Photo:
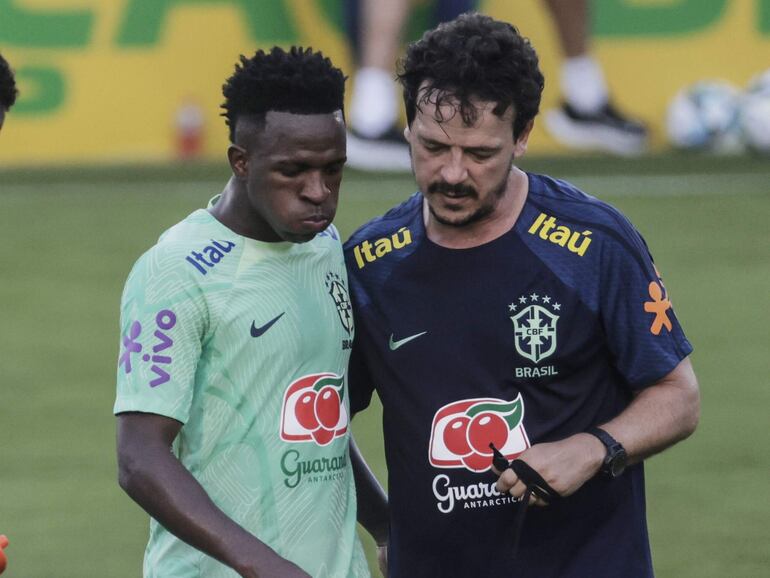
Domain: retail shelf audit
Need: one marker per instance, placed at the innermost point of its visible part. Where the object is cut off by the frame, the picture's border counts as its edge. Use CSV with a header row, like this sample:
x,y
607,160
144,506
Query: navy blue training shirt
x,y
532,337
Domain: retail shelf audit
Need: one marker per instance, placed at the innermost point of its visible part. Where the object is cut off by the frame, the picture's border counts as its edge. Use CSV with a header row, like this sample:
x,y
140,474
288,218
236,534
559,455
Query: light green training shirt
x,y
246,343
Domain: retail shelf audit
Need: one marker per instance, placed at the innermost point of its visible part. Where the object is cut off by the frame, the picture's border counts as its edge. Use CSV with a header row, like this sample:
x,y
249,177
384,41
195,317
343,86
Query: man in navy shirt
x,y
501,307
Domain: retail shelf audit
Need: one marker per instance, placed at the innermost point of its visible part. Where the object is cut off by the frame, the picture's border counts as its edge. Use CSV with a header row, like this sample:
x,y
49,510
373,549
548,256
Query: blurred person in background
x,y
8,91
499,307
232,404
586,118
8,94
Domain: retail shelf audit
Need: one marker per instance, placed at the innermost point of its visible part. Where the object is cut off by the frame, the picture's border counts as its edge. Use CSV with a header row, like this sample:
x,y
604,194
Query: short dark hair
x,y
8,92
473,56
299,81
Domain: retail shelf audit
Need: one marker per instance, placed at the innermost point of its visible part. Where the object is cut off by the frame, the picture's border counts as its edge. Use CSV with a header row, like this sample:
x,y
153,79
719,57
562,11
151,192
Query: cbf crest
x,y
534,327
339,295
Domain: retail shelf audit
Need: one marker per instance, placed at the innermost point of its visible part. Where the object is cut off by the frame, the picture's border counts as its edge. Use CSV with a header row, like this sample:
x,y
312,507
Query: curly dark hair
x,y
473,56
8,92
299,81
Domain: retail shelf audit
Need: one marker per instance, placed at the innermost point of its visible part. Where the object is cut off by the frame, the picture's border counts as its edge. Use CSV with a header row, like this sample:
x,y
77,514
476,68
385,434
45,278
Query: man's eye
x,y
289,171
433,147
333,169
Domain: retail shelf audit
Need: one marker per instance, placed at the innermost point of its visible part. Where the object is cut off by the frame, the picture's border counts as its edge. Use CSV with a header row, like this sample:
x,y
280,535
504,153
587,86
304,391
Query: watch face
x,y
618,463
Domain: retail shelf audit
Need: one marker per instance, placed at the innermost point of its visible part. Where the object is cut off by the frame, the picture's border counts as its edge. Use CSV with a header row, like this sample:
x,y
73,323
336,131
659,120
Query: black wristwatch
x,y
615,461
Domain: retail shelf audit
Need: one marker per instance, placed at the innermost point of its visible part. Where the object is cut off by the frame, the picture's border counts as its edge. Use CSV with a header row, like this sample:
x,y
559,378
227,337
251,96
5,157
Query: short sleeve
x,y
643,333
360,382
163,321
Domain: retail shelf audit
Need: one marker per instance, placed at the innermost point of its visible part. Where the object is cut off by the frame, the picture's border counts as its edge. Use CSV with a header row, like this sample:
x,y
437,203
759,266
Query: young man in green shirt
x,y
236,333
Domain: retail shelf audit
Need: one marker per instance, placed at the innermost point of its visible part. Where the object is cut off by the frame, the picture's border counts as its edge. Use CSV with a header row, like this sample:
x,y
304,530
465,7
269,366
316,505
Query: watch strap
x,y
608,441
615,459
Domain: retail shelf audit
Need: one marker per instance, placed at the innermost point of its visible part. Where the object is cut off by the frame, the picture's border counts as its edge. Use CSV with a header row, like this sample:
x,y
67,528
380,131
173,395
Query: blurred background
x,y
140,80
116,136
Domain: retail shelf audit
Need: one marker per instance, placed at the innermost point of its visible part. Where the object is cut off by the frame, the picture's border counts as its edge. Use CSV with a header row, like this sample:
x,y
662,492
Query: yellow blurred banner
x,y
131,80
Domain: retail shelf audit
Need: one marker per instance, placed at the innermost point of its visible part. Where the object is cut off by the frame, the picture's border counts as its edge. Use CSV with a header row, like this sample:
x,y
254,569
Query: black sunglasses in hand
x,y
534,483
529,476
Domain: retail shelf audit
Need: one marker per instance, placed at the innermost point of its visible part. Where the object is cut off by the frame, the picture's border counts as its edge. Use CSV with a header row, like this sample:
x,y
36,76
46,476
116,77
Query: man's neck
x,y
489,228
231,211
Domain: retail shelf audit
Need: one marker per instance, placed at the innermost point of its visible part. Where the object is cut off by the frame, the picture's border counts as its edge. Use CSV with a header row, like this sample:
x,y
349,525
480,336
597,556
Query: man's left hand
x,y
382,559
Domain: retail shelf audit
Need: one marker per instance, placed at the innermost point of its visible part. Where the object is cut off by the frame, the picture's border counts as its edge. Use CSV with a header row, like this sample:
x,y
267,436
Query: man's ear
x,y
408,134
520,146
239,161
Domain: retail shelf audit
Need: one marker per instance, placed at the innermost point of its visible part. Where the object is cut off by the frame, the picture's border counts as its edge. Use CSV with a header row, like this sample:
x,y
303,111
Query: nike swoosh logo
x,y
396,344
257,331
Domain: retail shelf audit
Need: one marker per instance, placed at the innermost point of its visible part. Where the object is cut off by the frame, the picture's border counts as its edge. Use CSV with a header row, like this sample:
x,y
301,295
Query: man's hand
x,y
273,567
565,465
158,482
659,416
382,559
372,505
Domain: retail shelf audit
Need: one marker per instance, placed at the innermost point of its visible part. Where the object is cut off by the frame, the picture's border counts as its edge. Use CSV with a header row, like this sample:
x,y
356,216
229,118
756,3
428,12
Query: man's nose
x,y
453,171
316,189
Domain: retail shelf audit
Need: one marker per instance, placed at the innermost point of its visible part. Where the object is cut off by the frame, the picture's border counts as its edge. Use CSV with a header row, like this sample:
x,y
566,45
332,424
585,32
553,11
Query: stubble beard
x,y
480,213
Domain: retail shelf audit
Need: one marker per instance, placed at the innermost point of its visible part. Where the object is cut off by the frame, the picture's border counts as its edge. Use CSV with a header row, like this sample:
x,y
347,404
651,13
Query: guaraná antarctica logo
x,y
314,409
159,363
462,431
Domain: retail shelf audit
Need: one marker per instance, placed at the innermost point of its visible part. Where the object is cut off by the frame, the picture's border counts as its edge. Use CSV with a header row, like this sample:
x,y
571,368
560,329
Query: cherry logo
x,y
314,409
462,431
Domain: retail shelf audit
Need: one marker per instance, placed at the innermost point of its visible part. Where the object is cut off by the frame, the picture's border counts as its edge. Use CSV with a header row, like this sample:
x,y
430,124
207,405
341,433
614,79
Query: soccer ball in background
x,y
705,116
754,115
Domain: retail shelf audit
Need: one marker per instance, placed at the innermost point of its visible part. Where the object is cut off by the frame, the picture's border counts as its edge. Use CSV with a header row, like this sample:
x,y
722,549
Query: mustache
x,y
459,189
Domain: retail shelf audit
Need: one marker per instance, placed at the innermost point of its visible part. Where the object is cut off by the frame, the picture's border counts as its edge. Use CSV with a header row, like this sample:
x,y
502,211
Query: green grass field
x,y
70,236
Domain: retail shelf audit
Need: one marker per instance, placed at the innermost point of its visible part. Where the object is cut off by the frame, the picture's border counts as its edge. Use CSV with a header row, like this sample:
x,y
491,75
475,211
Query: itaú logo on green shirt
x,y
314,409
210,255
